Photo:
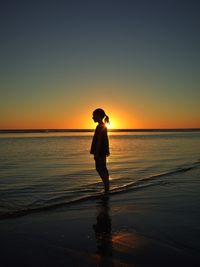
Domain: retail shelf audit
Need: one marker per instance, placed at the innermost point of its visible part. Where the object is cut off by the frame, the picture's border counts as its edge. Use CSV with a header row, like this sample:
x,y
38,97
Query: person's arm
x,y
98,145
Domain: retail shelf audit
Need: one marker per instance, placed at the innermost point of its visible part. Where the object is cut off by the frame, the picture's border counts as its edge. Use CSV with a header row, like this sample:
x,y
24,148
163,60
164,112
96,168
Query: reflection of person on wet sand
x,y
102,230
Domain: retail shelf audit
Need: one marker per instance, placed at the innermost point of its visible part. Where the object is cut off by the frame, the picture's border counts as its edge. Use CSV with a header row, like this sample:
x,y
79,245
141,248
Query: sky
x,y
139,60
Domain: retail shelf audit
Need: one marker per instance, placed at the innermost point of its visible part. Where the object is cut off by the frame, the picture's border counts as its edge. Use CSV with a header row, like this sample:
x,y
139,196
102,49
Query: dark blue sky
x,y
147,50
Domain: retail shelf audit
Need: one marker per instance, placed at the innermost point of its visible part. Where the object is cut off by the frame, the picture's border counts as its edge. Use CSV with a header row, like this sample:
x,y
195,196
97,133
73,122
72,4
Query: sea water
x,y
41,171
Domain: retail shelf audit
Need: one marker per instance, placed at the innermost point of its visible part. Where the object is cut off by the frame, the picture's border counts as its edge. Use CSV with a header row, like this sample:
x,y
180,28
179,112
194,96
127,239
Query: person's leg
x,y
103,171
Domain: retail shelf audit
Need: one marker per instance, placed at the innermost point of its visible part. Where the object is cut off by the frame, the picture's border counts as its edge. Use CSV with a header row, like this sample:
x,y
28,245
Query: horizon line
x,y
51,130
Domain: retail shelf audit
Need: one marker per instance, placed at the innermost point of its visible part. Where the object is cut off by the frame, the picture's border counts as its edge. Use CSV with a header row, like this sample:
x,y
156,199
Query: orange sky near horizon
x,y
120,118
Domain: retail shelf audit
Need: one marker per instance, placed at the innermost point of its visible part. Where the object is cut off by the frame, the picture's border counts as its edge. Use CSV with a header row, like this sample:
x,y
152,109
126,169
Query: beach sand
x,y
153,226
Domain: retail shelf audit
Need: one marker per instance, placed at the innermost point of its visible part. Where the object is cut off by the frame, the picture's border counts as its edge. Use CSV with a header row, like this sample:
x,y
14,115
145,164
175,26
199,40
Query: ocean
x,y
46,170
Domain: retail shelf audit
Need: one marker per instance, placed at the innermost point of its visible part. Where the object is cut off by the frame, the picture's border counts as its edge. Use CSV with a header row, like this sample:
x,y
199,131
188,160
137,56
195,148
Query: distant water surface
x,y
45,170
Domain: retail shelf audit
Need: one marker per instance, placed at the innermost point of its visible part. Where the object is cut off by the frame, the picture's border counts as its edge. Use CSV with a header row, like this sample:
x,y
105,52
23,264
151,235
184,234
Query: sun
x,y
115,121
111,125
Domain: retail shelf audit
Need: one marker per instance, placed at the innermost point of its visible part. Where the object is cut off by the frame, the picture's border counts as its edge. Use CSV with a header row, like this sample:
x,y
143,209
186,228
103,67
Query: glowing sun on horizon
x,y
109,126
112,125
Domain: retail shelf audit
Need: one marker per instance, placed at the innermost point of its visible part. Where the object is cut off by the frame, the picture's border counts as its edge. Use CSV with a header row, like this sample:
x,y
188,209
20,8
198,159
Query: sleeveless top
x,y
100,143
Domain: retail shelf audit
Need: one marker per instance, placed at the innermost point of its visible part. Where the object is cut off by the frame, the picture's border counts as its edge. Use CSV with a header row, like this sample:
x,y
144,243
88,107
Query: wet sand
x,y
153,226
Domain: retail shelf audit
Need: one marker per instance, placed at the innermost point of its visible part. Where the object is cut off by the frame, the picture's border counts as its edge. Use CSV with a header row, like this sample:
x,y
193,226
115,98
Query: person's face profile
x,y
95,118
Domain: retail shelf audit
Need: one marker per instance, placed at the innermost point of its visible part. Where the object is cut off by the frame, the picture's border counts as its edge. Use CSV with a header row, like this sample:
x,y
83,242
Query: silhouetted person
x,y
103,233
100,145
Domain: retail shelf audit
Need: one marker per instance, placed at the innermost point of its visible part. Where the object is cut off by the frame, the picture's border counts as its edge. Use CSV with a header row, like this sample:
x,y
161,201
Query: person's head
x,y
99,114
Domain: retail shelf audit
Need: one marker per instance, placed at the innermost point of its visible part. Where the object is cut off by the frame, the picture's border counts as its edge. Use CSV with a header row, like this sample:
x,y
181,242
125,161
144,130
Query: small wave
x,y
150,180
137,185
24,212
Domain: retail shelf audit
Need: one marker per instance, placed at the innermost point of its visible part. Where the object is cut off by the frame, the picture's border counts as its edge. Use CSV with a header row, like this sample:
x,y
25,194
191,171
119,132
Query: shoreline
x,y
155,226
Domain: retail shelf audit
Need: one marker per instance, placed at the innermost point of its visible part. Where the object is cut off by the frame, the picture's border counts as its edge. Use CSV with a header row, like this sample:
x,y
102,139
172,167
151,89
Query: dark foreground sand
x,y
155,226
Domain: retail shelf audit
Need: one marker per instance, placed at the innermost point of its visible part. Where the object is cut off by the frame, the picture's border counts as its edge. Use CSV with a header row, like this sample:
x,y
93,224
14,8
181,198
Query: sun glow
x,y
109,126
112,124
119,119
